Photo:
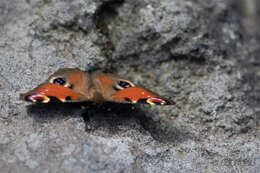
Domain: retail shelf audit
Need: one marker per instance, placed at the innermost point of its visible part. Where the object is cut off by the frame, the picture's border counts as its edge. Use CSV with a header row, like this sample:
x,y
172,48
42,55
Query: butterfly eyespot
x,y
121,84
59,81
124,84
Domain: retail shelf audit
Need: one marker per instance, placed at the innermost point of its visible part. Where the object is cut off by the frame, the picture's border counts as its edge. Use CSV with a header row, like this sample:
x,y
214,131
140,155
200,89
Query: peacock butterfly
x,y
74,85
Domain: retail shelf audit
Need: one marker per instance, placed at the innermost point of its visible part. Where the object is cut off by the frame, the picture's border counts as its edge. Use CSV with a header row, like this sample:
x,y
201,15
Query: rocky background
x,y
203,54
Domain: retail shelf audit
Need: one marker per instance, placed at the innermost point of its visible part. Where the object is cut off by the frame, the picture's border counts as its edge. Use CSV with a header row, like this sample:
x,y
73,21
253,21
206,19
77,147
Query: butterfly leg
x,y
87,116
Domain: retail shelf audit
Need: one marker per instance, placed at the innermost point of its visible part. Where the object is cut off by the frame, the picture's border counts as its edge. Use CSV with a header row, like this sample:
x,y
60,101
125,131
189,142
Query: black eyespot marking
x,y
27,99
124,84
39,101
157,103
68,98
142,101
127,99
54,99
59,81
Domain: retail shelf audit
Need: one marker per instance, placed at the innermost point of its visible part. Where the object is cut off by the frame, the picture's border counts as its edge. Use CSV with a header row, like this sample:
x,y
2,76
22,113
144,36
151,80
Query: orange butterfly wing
x,y
51,93
140,95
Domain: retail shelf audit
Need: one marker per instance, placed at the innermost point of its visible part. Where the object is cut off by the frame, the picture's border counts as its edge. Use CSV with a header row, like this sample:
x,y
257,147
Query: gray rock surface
x,y
196,52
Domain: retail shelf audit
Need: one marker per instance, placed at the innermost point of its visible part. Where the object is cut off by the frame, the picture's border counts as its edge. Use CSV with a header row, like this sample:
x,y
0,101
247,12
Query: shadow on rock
x,y
164,130
109,117
53,111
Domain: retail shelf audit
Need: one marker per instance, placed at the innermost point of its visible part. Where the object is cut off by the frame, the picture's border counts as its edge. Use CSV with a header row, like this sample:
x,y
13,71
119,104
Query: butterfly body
x,y
74,85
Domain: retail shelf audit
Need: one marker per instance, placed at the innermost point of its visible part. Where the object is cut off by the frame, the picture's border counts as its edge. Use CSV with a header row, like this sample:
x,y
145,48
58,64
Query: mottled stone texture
x,y
199,53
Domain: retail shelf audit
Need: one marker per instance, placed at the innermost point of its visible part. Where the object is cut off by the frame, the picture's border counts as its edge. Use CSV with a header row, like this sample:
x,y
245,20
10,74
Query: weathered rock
x,y
196,52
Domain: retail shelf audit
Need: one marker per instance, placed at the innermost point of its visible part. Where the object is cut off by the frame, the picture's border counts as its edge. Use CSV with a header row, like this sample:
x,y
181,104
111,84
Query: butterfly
x,y
75,85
